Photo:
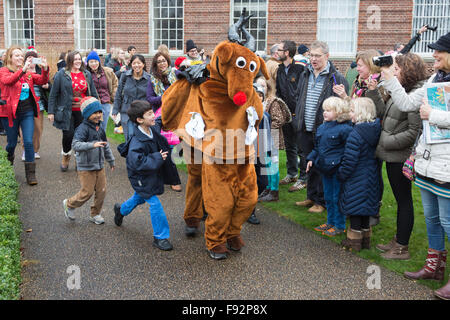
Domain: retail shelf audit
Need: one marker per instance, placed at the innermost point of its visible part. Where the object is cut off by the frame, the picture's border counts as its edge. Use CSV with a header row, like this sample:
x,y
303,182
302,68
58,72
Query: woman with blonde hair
x,y
117,59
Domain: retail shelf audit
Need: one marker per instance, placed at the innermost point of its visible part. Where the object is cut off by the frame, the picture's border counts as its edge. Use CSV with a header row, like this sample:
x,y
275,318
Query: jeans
x,y
127,126
157,214
26,122
437,218
331,189
75,120
106,109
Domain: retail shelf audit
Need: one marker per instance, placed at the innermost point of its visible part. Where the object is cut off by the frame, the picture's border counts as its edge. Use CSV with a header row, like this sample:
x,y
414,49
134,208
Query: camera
x,y
383,61
431,28
36,61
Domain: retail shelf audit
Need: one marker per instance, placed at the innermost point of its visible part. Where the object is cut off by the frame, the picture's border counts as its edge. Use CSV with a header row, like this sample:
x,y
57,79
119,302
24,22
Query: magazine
x,y
438,96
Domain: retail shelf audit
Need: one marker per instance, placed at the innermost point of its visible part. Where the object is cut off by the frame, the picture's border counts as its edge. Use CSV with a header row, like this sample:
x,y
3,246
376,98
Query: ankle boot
x,y
365,243
30,173
387,247
444,292
433,269
353,241
65,160
397,252
11,158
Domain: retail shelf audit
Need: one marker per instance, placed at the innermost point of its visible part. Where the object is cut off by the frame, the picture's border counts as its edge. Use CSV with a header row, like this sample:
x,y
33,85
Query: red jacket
x,y
11,88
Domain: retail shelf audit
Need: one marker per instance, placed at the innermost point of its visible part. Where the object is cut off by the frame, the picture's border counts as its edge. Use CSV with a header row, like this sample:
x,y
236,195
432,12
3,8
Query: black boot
x,y
30,173
11,158
253,219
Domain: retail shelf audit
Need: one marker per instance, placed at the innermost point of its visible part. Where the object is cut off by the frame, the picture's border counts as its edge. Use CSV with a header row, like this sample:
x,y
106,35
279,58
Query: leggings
x,y
75,121
359,222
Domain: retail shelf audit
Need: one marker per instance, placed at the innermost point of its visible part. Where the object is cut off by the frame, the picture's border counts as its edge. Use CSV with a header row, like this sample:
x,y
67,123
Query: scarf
x,y
441,76
360,87
158,85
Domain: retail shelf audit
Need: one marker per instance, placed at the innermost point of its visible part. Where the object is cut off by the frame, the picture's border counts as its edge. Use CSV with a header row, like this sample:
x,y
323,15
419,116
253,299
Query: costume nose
x,y
240,98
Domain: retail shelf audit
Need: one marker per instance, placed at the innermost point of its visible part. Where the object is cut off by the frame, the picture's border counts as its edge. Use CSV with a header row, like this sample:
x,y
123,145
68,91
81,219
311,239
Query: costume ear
x,y
225,52
263,68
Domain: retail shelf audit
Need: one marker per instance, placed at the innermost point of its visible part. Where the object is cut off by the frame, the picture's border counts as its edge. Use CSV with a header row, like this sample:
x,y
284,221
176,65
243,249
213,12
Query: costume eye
x,y
241,62
252,66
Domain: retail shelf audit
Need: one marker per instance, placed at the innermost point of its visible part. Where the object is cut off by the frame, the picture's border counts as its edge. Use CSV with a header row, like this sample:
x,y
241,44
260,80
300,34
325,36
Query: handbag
x,y
408,165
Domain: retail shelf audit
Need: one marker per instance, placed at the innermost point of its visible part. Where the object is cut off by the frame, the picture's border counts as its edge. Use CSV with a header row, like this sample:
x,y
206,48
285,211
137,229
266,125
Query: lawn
x,y
382,233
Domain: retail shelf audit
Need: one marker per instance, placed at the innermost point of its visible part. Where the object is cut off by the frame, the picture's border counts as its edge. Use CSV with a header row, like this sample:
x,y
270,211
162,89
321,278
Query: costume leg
x,y
193,210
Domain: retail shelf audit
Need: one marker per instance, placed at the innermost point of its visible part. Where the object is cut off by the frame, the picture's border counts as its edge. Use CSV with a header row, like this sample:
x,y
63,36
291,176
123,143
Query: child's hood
x,y
369,131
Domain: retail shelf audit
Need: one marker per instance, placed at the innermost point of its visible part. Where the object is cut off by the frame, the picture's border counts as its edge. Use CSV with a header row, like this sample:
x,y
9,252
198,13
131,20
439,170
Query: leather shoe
x,y
444,292
253,219
217,256
316,209
162,244
118,217
190,231
306,203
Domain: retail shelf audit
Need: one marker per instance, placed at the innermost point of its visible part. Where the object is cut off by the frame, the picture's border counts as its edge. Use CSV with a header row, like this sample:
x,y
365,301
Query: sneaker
x,y
253,219
306,203
263,194
216,255
333,231
287,180
68,212
118,217
98,219
299,185
23,156
162,244
316,209
323,227
36,155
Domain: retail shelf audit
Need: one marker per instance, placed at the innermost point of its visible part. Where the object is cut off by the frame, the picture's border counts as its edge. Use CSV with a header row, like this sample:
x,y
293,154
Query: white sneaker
x,y
36,155
68,212
98,219
23,156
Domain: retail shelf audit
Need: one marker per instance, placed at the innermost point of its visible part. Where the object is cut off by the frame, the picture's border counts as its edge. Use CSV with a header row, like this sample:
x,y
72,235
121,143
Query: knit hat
x,y
89,105
190,45
443,43
93,56
31,48
302,49
179,61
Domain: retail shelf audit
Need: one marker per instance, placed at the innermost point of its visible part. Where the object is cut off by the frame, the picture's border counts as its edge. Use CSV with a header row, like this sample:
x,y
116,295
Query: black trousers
x,y
314,189
67,138
359,222
401,188
293,152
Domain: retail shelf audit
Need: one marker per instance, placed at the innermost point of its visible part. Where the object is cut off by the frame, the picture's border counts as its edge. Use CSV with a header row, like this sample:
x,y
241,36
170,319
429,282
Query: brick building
x,y
347,25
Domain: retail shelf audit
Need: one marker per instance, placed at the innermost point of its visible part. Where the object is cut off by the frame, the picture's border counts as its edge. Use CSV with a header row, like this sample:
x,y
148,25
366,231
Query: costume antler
x,y
233,32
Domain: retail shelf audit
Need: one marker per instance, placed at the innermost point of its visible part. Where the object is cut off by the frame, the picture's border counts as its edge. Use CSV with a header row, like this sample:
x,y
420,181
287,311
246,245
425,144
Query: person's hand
x,y
44,64
51,117
425,110
164,154
423,29
309,165
45,86
123,68
27,64
112,168
387,73
100,144
339,89
372,85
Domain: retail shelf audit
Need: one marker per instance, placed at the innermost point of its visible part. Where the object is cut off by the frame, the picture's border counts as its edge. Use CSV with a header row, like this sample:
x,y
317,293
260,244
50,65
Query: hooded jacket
x,y
359,172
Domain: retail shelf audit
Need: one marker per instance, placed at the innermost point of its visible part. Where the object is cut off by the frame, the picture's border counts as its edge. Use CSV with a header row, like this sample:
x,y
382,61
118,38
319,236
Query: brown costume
x,y
222,173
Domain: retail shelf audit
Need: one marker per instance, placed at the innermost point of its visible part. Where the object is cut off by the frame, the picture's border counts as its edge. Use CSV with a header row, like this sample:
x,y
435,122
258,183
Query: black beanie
x,y
190,45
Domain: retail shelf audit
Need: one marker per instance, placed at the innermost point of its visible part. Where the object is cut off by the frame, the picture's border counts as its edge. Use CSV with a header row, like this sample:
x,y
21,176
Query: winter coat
x,y
327,91
114,64
113,83
431,160
329,146
147,171
61,97
287,84
11,88
129,90
87,156
399,129
280,115
359,172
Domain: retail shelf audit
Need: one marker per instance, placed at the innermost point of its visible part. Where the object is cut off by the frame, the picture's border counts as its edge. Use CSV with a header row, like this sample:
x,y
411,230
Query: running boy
x,y
146,152
91,149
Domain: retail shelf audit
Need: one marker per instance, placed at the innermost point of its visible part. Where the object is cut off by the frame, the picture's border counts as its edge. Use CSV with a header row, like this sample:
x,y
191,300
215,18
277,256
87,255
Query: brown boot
x,y
305,203
353,241
433,269
65,161
30,173
397,252
387,247
444,292
365,243
235,243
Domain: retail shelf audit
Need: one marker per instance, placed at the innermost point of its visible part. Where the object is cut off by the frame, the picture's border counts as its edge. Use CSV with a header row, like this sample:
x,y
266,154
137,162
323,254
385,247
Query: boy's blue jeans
x,y
331,190
157,214
437,217
106,110
26,122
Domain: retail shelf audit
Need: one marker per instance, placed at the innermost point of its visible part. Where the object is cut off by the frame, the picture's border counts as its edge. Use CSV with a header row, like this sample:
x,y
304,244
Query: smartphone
x,y
36,61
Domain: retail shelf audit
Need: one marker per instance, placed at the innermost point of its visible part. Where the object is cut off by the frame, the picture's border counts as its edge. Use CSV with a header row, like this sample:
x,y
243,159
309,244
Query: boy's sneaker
x,y
68,212
98,219
323,227
333,231
162,244
118,217
36,155
298,185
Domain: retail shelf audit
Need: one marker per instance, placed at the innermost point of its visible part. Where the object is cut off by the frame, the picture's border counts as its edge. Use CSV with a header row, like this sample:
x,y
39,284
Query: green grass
x,y
116,138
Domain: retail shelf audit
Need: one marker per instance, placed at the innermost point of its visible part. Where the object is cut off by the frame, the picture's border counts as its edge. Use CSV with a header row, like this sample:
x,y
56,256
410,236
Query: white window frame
x,y
333,53
77,26
152,28
435,19
253,7
8,29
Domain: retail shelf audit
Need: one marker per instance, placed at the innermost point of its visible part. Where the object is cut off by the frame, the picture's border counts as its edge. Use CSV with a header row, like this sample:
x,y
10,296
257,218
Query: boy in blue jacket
x,y
146,153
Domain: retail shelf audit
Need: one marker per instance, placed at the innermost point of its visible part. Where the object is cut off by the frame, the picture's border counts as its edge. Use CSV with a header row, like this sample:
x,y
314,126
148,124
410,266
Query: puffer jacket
x,y
129,90
87,156
431,160
359,172
399,129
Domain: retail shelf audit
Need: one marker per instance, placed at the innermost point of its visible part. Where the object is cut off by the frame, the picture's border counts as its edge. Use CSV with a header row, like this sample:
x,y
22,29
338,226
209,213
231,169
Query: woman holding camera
x,y
399,132
17,83
432,163
71,84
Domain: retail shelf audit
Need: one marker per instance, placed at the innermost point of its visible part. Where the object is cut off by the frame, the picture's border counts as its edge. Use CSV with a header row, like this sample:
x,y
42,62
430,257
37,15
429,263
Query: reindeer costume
x,y
217,122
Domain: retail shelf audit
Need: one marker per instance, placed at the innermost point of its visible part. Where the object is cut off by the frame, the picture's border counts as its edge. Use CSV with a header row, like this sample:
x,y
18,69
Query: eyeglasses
x,y
193,50
316,56
161,61
281,50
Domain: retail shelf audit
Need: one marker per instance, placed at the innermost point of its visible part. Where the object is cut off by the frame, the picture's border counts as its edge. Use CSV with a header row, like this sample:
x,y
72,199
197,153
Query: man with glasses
x,y
314,86
192,53
288,75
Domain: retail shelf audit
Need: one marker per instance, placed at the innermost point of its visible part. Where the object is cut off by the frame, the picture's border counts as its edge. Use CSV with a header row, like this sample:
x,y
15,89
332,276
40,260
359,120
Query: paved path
x,y
281,260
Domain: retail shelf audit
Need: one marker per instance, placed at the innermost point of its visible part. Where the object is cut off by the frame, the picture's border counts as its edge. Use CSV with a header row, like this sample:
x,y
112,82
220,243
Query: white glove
x,y
251,134
196,126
